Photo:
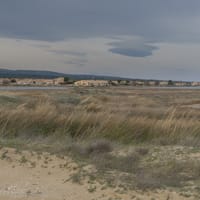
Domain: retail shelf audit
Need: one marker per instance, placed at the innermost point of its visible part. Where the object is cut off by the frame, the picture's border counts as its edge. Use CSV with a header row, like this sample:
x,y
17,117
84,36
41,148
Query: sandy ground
x,y
32,176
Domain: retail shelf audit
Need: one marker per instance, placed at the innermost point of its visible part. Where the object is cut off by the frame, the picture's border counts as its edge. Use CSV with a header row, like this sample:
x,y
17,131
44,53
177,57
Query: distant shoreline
x,y
17,88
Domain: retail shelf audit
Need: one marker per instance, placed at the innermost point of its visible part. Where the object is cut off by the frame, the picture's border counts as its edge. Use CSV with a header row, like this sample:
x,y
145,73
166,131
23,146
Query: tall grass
x,y
123,115
127,116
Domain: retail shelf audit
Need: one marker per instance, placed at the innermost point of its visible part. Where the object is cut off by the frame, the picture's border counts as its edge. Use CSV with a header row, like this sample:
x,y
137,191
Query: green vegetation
x,y
66,79
170,83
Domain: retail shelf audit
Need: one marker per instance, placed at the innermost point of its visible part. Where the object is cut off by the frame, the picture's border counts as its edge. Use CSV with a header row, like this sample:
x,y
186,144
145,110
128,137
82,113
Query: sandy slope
x,y
32,176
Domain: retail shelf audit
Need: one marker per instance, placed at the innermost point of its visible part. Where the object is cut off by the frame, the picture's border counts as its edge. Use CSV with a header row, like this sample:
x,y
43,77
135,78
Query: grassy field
x,y
120,114
144,139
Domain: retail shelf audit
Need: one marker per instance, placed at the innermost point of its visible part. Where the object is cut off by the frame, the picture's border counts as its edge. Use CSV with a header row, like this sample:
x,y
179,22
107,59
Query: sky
x,y
154,39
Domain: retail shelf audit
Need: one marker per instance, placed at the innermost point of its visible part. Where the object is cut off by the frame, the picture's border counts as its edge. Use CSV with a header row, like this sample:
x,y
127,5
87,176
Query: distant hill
x,y
6,73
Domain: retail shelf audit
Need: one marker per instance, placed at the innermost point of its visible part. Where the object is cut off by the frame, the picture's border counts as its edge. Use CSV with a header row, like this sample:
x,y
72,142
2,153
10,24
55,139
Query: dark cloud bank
x,y
132,48
53,20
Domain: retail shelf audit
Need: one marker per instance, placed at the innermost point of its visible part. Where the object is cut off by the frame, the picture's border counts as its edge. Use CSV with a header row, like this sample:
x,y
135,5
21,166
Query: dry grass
x,y
124,115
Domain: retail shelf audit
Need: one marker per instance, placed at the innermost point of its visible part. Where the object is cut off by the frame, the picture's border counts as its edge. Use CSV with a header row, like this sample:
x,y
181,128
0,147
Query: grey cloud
x,y
132,48
131,52
51,20
67,52
76,61
43,46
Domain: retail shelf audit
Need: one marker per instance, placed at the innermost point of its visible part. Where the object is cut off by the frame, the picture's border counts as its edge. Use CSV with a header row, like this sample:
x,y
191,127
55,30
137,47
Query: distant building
x,y
5,81
163,83
195,83
139,83
31,81
91,83
182,84
179,84
152,83
59,81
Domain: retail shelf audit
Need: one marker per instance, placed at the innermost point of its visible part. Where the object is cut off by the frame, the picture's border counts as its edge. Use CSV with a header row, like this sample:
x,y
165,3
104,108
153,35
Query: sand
x,y
31,176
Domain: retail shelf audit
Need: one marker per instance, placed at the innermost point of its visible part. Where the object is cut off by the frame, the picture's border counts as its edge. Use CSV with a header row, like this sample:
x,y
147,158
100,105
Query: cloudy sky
x,y
131,38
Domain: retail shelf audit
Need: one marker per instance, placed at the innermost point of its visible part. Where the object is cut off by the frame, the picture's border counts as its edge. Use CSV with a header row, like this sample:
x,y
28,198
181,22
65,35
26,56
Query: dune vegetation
x,y
124,115
135,138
